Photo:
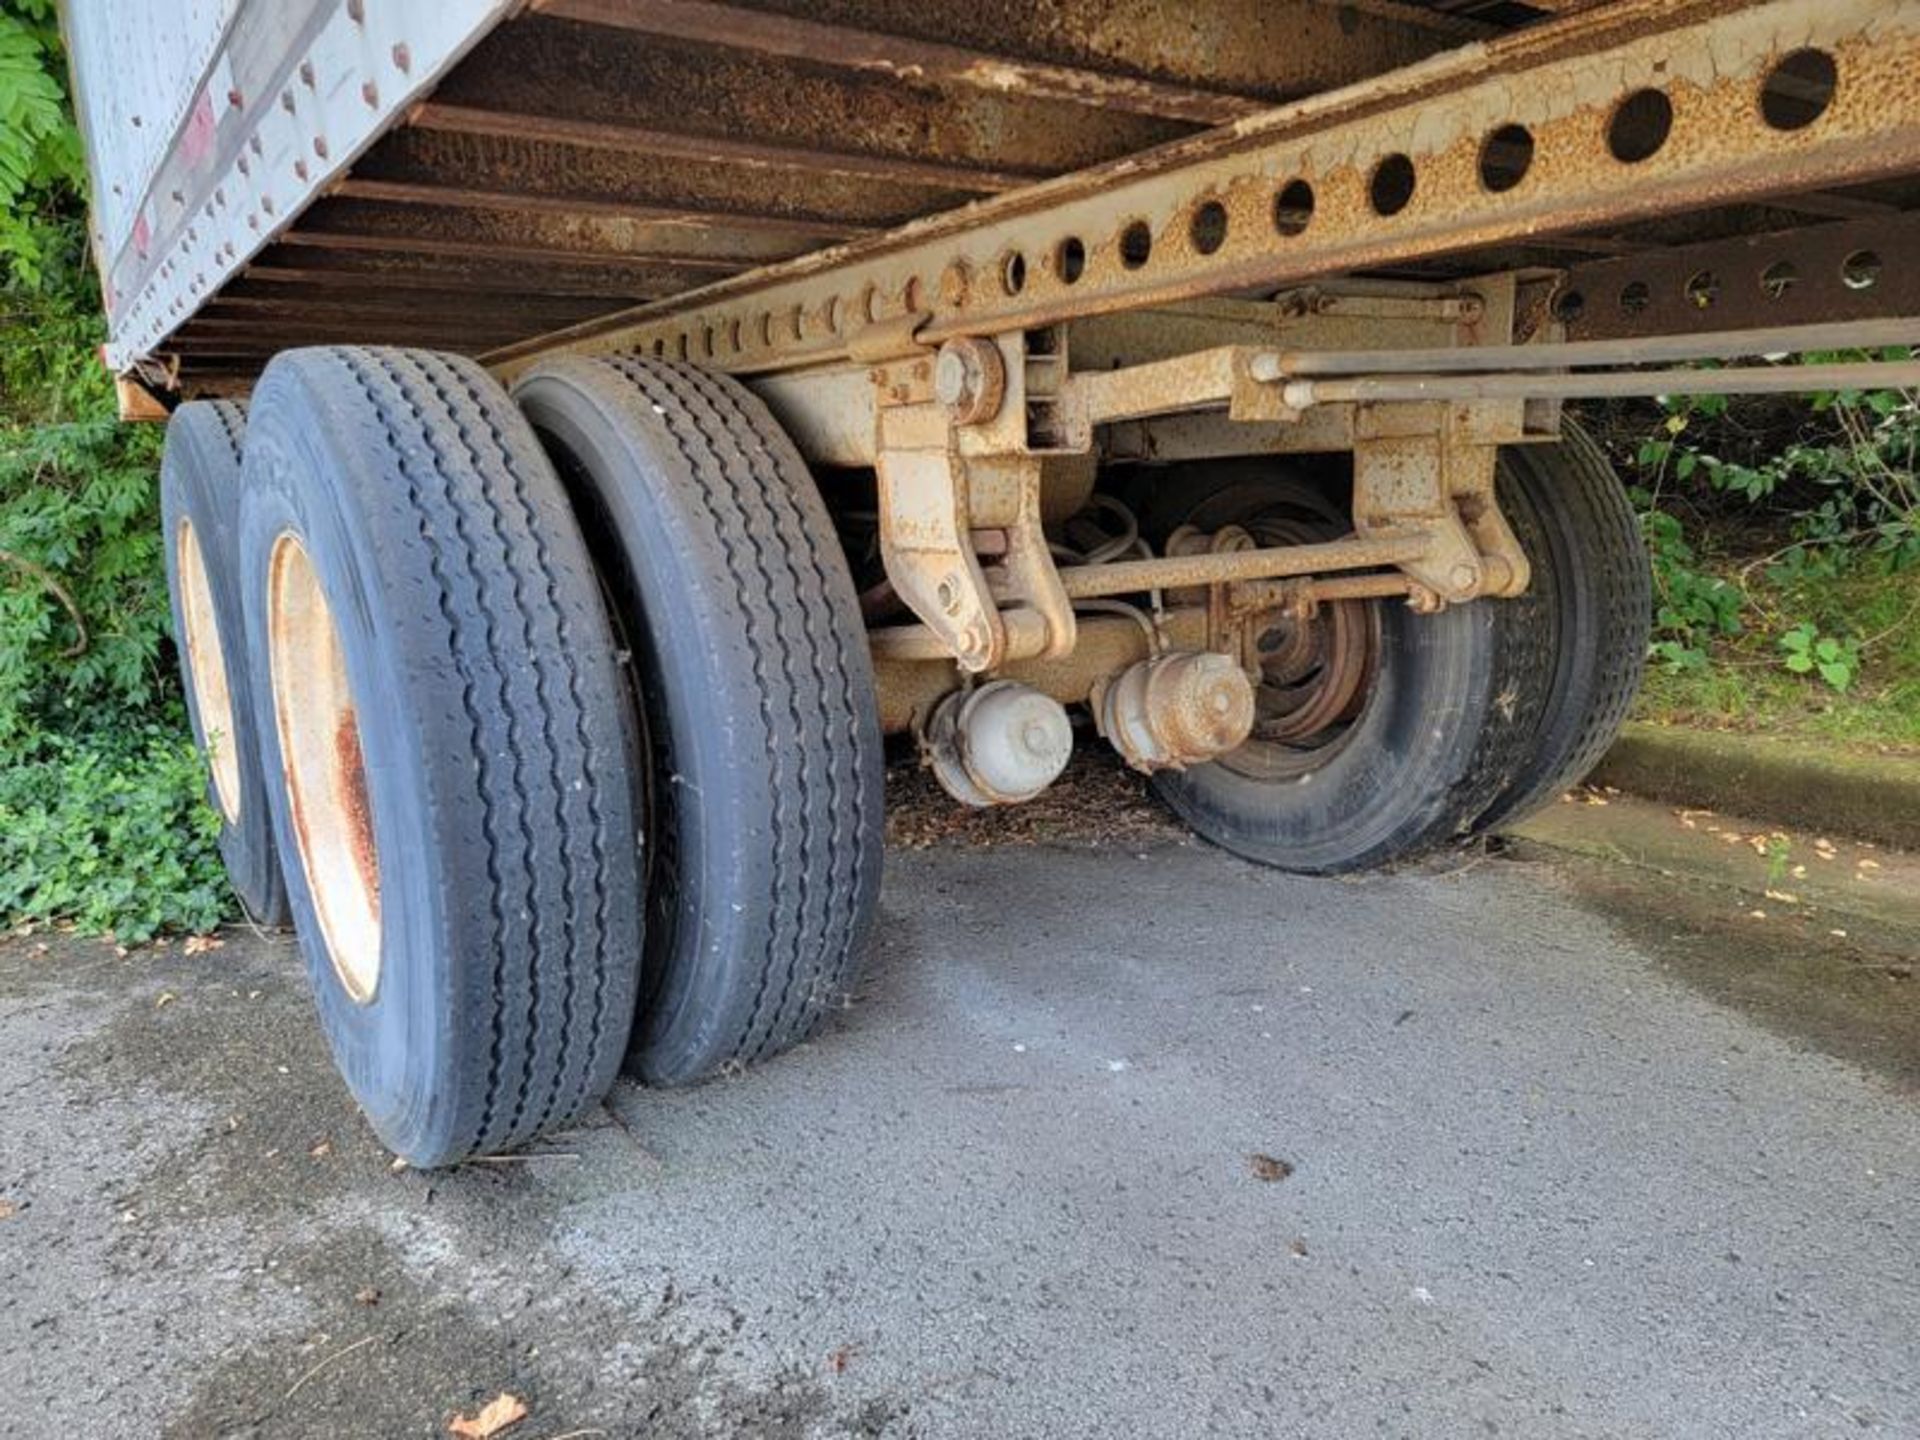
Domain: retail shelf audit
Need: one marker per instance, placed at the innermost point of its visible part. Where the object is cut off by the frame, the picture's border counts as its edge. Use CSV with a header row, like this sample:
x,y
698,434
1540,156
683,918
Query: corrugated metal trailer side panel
x,y
211,123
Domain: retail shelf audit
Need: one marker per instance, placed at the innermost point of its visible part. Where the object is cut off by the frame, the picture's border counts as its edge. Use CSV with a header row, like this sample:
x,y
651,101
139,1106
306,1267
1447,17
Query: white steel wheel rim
x,y
323,767
207,670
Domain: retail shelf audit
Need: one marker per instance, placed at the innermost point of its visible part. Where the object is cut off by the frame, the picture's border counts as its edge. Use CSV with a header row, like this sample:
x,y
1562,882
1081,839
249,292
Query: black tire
x,y
490,745
759,703
200,488
1593,587
1439,732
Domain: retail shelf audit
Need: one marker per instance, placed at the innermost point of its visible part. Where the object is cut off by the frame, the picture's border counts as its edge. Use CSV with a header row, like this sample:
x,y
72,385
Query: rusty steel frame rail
x,y
1309,189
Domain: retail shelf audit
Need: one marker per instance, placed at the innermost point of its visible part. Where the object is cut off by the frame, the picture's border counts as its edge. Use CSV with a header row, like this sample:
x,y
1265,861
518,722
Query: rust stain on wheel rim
x,y
323,767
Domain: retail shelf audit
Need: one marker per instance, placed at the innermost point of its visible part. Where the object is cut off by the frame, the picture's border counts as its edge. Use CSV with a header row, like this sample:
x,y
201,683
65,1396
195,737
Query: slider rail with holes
x,y
1626,113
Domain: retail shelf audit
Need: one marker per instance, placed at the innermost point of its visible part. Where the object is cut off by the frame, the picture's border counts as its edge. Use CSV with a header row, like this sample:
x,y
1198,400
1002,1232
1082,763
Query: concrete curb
x,y
1786,781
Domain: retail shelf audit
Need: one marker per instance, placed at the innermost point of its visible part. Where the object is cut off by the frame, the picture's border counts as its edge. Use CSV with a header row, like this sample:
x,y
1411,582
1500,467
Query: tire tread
x,y
505,612
804,673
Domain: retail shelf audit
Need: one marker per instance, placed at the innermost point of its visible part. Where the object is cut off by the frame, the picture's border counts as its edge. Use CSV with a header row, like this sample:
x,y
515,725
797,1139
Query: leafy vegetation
x,y
102,816
1785,539
109,830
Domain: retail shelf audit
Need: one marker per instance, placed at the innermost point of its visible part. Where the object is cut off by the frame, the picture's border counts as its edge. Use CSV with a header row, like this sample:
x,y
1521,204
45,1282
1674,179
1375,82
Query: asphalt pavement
x,y
1133,1140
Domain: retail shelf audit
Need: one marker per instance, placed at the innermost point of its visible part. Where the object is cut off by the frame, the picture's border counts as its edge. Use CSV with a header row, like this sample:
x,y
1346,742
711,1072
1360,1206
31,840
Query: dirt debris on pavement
x,y
1098,801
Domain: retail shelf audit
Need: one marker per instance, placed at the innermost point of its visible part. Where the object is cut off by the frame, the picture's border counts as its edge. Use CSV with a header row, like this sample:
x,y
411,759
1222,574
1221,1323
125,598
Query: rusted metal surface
x,y
473,197
1315,665
1846,273
1173,572
1207,64
944,485
585,143
1637,350
537,237
910,680
323,767
1175,710
1431,467
1381,174
903,58
207,670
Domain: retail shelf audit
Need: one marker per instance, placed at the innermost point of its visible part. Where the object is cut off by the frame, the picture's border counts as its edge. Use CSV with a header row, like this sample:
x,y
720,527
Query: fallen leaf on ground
x,y
367,1296
200,944
322,1150
167,997
8,1209
1785,897
839,1359
496,1416
1867,864
1269,1167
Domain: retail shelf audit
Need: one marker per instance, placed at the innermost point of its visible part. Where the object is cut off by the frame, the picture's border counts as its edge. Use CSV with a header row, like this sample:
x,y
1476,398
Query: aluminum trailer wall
x,y
210,124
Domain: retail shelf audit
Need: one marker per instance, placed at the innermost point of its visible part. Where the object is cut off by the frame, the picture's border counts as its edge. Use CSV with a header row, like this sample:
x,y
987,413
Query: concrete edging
x,y
1786,781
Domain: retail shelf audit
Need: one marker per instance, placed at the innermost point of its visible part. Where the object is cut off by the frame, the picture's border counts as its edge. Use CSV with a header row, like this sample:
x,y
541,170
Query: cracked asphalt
x,y
1123,1141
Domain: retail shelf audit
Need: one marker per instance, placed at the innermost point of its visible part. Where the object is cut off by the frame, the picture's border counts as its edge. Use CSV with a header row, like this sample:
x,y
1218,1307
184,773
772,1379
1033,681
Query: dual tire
x,y
439,697
1467,720
568,717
